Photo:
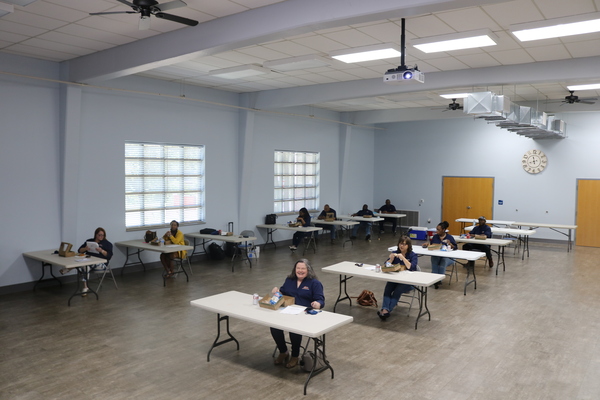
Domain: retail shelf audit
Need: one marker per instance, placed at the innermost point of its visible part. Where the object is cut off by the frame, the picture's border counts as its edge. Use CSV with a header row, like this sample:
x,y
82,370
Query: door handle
x,y
468,207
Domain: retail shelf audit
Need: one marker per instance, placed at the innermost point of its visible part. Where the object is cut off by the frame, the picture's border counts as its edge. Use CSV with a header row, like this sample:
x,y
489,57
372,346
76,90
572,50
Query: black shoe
x,y
436,285
491,262
368,237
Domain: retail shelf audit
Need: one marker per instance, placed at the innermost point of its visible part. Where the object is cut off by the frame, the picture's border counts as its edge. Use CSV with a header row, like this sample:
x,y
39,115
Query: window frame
x,y
296,182
171,175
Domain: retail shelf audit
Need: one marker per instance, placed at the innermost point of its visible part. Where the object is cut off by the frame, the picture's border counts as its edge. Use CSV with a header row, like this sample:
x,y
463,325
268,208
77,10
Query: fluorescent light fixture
x,y
456,41
6,9
243,71
557,27
590,86
296,63
366,53
455,96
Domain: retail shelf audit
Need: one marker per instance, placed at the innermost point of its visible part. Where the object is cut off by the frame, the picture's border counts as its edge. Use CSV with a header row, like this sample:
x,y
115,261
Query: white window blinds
x,y
296,181
163,182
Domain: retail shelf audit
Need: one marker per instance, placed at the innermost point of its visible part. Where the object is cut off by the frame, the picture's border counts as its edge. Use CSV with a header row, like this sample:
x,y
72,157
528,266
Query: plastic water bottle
x,y
377,268
275,298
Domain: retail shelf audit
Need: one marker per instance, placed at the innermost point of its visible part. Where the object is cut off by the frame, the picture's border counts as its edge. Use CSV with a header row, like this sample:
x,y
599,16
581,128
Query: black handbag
x,y
270,219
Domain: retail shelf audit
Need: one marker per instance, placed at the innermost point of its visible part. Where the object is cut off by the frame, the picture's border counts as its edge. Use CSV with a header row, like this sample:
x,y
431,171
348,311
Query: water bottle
x,y
275,298
377,268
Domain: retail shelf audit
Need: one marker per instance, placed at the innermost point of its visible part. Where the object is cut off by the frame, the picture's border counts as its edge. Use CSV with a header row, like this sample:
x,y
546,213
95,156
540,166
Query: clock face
x,y
534,161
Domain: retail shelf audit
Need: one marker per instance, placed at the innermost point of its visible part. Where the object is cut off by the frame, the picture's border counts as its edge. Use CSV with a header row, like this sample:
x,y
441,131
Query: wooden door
x,y
588,213
464,197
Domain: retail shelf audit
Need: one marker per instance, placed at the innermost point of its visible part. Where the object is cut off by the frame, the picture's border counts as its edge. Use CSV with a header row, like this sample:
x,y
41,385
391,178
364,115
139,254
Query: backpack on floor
x,y
215,252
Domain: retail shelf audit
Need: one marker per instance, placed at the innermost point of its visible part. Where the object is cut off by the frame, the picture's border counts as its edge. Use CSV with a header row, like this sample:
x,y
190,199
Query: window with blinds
x,y
296,181
163,182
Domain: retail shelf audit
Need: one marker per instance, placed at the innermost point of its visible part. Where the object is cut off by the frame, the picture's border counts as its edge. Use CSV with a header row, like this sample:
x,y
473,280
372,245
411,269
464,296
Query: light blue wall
x,y
31,132
404,162
422,152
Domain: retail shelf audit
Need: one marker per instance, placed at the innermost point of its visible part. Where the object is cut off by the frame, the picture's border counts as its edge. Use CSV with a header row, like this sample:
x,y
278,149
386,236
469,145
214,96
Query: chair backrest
x,y
247,233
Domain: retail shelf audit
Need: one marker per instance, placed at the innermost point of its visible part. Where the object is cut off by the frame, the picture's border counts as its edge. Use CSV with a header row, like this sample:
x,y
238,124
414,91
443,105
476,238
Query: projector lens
x,y
407,75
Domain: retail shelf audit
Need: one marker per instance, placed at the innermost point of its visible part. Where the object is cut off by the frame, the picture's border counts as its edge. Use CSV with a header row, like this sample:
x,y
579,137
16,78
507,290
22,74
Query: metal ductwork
x,y
525,121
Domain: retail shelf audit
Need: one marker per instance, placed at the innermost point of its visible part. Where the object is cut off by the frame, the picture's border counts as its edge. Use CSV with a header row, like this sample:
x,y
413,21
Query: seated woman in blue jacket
x,y
439,264
392,292
304,220
301,284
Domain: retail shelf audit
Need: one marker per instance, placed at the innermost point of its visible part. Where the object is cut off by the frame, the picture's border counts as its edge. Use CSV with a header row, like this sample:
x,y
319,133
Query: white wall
x,y
422,152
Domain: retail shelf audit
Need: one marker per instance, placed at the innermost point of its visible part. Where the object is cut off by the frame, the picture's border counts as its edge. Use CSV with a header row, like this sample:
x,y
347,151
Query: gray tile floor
x,y
531,332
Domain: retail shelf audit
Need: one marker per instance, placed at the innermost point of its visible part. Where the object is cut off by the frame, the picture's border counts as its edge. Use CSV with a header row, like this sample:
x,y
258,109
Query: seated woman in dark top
x,y
304,220
392,292
302,285
102,249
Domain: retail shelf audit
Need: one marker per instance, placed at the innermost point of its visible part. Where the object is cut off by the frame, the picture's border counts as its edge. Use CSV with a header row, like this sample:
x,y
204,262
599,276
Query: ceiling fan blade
x,y
171,5
144,23
176,18
114,12
586,102
588,98
127,3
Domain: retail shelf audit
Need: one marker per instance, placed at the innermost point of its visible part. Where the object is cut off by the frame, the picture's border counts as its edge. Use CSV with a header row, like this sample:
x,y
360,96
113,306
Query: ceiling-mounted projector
x,y
403,75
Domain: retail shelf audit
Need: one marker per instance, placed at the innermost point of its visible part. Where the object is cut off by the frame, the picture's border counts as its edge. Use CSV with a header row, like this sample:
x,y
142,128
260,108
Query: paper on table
x,y
92,247
371,268
171,245
293,309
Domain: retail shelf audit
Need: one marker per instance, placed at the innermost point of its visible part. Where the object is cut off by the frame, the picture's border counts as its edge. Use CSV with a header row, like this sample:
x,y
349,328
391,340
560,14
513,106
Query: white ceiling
x,y
232,33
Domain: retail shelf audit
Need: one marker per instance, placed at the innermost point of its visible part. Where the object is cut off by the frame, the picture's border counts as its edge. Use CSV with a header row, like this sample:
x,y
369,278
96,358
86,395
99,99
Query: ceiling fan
x,y
451,107
572,99
146,8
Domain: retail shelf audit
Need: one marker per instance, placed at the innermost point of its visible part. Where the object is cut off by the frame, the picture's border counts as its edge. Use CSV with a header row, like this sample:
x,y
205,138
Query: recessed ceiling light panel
x,y
366,53
456,41
557,27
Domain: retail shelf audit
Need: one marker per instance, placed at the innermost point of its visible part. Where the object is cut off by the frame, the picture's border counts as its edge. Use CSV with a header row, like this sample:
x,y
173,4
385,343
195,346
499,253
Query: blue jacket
x,y
436,239
482,230
309,290
412,257
105,245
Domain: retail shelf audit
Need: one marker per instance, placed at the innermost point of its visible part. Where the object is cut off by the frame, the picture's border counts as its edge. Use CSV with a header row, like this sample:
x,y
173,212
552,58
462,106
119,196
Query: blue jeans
x,y
392,293
367,226
295,339
439,264
331,229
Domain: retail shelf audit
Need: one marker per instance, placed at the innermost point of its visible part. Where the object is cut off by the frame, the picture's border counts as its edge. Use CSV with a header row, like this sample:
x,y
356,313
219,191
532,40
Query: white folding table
x,y
306,229
469,256
522,235
420,280
554,227
140,245
235,239
344,225
501,243
80,263
239,305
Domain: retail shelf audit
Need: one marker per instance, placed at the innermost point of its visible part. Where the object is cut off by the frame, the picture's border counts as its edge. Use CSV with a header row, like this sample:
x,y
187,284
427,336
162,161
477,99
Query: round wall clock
x,y
534,161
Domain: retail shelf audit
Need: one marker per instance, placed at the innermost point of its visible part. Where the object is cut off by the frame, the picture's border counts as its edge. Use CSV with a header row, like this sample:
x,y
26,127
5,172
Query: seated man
x,y
388,208
328,212
481,229
365,211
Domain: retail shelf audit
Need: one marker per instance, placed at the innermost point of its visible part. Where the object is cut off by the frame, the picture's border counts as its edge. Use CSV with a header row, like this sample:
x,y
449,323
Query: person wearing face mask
x,y
303,286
